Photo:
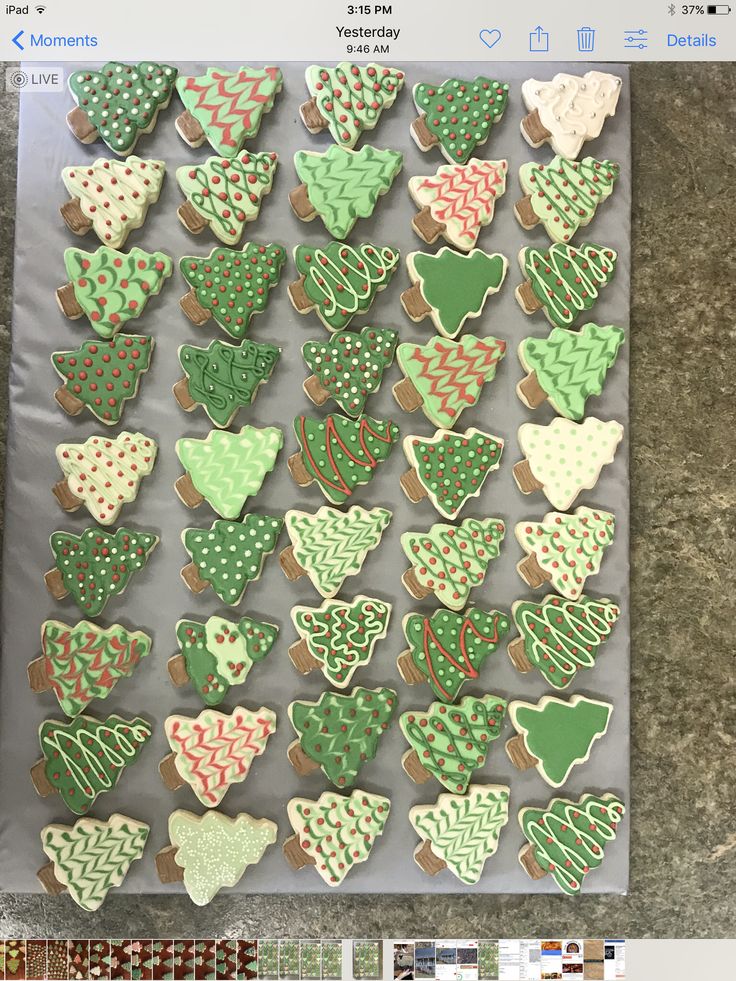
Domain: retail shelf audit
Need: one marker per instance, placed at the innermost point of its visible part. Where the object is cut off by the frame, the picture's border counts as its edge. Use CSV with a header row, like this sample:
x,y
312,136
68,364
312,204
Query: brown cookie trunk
x,y
525,213
422,134
169,773
298,471
426,227
531,391
407,396
38,677
191,218
47,877
67,300
315,390
412,486
528,297
531,866
295,854
55,584
74,218
519,755
303,764
69,403
414,303
168,870
187,492
525,479
182,394
292,569
189,128
413,767
532,573
299,297
177,668
190,575
416,589
534,129
427,860
311,116
408,669
79,123
193,309
301,658
518,655
40,780
69,501
300,203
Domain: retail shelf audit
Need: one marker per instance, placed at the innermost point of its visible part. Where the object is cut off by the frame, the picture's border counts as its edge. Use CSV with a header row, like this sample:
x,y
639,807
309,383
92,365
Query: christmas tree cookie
x,y
223,377
342,185
449,742
338,637
339,733
119,103
567,367
447,649
102,375
231,285
348,98
341,280
103,473
457,115
225,194
330,545
212,851
349,367
568,110
450,287
111,197
567,838
225,469
443,377
449,560
339,453
559,637
214,750
226,108
86,757
457,201
564,281
449,468
334,833
109,287
565,458
219,653
563,195
564,549
229,555
96,565
82,662
91,857
460,833
555,735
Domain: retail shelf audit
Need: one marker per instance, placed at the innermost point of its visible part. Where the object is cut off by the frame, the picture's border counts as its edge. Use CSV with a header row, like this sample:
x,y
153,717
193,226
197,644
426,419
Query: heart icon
x,y
490,37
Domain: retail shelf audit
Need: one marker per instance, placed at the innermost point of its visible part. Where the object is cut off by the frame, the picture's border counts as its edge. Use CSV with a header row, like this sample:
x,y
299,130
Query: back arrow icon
x,y
16,42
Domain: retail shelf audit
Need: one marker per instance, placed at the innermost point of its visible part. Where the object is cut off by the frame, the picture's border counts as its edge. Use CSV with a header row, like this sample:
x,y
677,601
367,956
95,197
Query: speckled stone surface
x,y
683,404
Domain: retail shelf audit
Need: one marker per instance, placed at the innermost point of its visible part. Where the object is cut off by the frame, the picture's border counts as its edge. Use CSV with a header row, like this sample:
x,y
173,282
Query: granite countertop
x,y
683,420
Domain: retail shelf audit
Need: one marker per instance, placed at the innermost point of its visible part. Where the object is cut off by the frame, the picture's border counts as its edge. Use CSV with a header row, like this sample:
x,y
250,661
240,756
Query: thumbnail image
x,y
367,960
268,959
467,955
445,961
488,960
331,960
310,958
404,962
289,960
424,958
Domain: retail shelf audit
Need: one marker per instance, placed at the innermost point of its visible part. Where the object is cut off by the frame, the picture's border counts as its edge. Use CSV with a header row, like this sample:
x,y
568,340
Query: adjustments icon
x,y
538,40
636,39
586,39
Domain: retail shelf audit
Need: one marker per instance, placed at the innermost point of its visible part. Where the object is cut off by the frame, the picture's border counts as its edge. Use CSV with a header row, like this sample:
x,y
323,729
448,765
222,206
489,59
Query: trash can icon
x,y
586,39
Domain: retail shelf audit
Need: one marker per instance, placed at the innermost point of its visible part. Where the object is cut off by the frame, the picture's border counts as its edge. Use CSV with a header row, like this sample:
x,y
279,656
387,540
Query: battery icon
x,y
718,8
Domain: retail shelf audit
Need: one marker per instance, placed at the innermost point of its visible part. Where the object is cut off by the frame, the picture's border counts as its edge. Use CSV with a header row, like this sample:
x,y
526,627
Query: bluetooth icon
x,y
671,9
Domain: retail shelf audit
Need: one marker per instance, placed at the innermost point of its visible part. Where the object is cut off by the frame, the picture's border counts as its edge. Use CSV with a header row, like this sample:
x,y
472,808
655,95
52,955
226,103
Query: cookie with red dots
x,y
457,116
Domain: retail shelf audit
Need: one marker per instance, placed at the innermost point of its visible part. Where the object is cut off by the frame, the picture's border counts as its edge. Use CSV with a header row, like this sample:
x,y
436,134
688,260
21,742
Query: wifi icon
x,y
40,9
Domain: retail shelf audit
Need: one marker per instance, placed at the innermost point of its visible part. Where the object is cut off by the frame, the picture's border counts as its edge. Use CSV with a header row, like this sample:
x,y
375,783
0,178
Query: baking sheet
x,y
157,598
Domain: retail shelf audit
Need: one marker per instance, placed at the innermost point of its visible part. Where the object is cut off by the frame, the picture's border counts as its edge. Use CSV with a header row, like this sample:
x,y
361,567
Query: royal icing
x,y
572,108
350,98
560,734
350,366
105,472
220,653
565,194
341,636
464,831
460,113
342,732
115,195
344,185
450,648
86,757
231,554
214,750
228,193
332,545
214,850
560,637
568,837
455,286
97,565
570,547
92,857
227,468
338,832
567,280
228,105
461,198
451,741
570,366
